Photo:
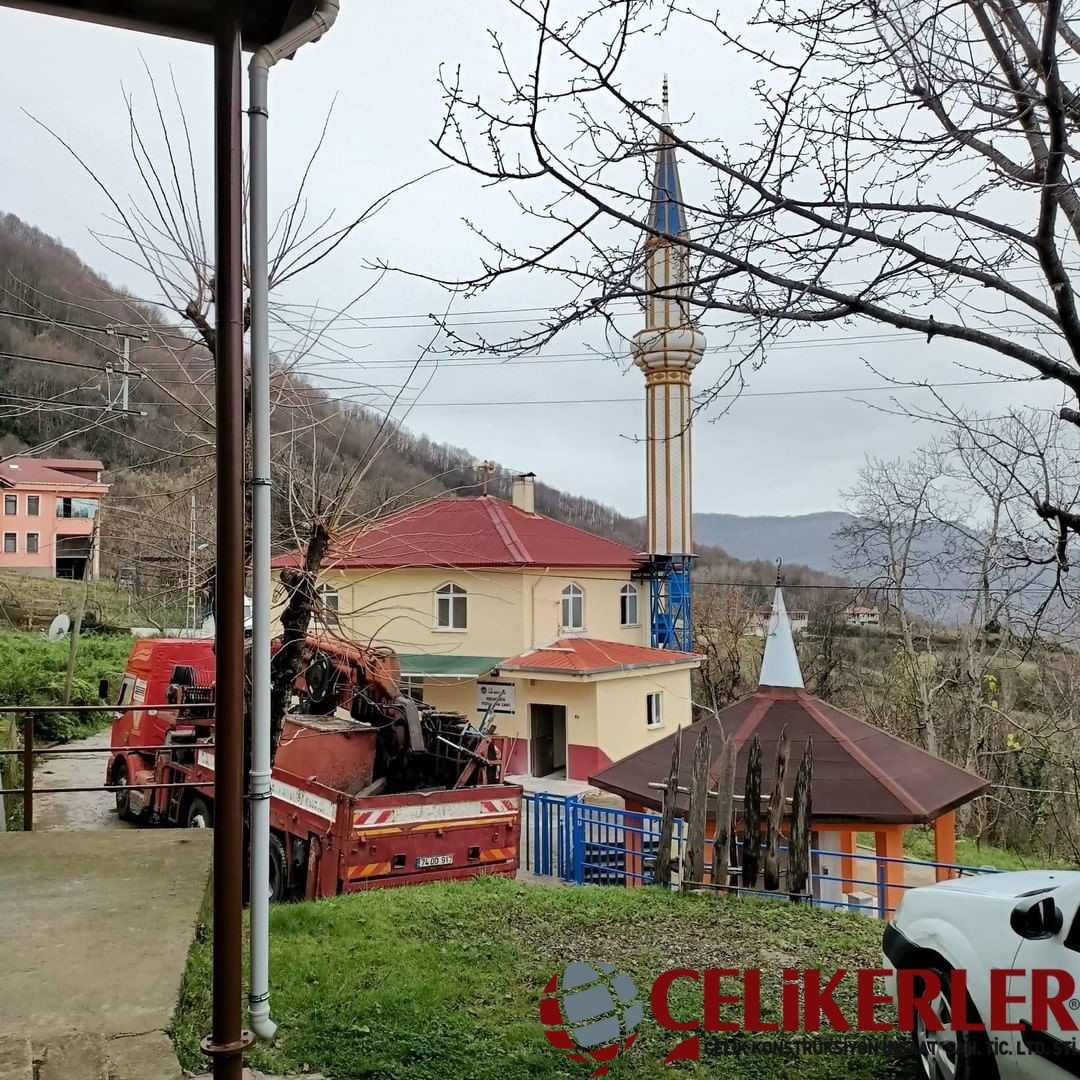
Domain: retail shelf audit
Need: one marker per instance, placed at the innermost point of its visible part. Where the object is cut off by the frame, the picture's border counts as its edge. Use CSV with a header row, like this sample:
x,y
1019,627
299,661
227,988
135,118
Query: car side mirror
x,y
103,690
1036,917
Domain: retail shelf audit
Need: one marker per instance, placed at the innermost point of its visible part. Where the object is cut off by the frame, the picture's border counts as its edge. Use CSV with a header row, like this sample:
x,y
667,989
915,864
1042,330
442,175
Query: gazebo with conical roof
x,y
865,780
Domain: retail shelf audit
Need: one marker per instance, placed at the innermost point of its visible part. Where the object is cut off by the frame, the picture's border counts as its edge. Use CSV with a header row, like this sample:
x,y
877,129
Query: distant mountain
x,y
803,538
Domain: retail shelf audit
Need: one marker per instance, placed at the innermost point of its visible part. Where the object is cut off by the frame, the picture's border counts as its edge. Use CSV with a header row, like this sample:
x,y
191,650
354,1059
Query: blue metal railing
x,y
566,838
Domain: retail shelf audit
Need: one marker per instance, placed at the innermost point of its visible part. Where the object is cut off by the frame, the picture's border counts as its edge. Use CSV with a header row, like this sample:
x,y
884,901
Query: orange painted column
x,y
847,862
945,844
890,845
635,867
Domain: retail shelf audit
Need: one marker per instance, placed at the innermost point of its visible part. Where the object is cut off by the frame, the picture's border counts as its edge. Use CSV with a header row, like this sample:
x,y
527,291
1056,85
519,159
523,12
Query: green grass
x,y
919,844
32,672
442,982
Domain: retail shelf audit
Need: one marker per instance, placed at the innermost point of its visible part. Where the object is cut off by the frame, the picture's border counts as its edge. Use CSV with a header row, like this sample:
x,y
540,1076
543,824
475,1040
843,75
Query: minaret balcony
x,y
659,348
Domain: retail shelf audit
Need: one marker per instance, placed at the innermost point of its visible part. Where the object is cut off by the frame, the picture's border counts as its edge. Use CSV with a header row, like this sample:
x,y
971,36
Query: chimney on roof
x,y
523,494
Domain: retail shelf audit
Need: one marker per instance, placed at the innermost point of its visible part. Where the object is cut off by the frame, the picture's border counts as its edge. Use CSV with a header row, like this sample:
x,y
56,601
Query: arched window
x,y
628,606
451,608
573,608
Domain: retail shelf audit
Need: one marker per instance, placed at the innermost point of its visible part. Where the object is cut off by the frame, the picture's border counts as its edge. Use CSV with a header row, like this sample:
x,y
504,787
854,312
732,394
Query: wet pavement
x,y
78,811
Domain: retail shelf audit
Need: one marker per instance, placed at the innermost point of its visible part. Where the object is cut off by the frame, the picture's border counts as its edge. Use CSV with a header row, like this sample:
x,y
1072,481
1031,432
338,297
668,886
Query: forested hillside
x,y
59,379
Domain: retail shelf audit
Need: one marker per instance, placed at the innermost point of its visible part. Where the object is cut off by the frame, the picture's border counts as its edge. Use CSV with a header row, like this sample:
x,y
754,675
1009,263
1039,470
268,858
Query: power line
x,y
638,399
50,360
64,406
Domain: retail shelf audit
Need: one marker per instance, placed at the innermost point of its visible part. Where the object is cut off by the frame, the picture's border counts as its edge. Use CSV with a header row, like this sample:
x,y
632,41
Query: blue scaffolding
x,y
669,607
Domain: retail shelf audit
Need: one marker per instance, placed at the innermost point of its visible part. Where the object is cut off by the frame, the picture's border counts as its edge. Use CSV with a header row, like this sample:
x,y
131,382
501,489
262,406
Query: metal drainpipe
x,y
311,29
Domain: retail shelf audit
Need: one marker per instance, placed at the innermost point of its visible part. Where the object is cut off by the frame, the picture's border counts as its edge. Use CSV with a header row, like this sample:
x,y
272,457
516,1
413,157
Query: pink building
x,y
48,514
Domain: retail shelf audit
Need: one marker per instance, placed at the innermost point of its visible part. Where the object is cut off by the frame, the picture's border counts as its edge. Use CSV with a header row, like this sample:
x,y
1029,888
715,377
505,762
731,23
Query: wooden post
x,y
777,806
693,868
801,813
751,851
945,844
28,773
725,800
662,875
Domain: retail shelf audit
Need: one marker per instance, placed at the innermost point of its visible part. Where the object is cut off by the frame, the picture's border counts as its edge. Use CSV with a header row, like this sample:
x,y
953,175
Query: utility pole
x,y
192,615
486,469
125,338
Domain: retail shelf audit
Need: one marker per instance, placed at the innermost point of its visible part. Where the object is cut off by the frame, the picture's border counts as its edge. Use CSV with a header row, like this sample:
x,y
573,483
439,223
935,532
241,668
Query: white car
x,y
1027,922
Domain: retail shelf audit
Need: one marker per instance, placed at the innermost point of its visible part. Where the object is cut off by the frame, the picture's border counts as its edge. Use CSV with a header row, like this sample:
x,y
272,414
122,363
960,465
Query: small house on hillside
x,y
50,507
490,604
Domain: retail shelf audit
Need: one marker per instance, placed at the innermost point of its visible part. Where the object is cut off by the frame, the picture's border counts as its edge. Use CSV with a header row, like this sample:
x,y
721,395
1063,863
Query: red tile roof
x,y
76,464
28,470
472,532
588,656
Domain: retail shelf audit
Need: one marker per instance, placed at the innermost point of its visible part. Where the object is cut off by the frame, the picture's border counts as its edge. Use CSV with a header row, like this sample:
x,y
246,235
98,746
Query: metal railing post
x,y
28,772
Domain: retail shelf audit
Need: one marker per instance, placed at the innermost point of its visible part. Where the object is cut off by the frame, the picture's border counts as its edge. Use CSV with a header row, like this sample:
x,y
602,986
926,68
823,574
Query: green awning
x,y
444,665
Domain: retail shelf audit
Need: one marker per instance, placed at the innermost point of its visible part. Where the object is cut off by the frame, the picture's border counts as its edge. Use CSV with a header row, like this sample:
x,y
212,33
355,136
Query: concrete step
x,y
148,1056
74,1056
16,1058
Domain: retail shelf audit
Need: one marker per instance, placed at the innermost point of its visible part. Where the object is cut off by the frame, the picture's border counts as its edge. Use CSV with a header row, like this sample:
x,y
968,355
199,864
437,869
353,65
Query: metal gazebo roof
x,y
861,773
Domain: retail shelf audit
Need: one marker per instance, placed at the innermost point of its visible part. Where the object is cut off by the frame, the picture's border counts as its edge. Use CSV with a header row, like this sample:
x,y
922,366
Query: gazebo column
x,y
945,844
890,845
847,861
635,865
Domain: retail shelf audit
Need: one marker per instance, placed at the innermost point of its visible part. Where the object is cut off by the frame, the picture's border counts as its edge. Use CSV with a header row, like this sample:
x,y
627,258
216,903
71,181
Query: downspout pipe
x,y
311,29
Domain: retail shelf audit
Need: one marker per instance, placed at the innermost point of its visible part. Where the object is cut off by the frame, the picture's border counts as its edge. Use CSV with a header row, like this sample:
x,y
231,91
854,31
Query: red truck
x,y
369,788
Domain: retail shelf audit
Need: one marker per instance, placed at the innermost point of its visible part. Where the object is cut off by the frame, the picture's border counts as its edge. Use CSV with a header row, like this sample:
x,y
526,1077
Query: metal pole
x,y
261,596
191,607
28,773
261,593
227,1042
125,354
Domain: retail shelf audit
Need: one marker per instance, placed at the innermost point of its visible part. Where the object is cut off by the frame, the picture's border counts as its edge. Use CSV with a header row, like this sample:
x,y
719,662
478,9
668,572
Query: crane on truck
x,y
369,787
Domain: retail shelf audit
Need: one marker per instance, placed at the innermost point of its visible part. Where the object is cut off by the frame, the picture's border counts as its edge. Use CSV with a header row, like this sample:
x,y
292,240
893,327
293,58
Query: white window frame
x,y
449,594
36,500
14,550
14,502
654,710
328,611
37,543
572,592
629,593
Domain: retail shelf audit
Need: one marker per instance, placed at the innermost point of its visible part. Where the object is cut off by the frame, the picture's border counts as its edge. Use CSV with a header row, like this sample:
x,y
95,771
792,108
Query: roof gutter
x,y
310,29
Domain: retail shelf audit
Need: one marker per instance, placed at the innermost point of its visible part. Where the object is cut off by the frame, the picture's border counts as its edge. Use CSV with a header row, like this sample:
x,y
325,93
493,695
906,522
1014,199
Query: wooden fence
x,y
733,814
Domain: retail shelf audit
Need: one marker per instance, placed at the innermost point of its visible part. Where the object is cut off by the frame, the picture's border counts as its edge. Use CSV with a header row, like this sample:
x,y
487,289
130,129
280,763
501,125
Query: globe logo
x,y
591,1009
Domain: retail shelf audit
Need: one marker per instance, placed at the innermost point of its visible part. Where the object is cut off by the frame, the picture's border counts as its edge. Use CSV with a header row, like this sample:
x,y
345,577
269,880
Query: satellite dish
x,y
59,627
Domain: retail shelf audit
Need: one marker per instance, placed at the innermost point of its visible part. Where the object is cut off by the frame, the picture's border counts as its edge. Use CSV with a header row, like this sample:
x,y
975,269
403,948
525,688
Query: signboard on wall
x,y
500,697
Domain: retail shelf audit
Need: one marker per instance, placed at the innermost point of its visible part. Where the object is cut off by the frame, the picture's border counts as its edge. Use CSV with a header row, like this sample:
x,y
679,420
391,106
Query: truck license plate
x,y
425,861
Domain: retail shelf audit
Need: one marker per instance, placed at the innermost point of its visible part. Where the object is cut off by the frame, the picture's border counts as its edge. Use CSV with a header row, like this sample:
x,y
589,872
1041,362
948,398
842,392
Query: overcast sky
x,y
773,452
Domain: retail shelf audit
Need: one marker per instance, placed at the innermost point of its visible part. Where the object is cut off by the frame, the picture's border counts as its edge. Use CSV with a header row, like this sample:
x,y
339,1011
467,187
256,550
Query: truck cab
x,y
160,671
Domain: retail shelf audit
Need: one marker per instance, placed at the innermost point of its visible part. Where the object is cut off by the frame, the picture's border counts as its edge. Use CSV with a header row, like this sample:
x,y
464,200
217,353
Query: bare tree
x,y
909,164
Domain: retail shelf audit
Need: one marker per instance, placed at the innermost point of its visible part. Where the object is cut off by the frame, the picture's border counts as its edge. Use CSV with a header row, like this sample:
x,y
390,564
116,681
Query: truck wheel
x,y
199,815
279,871
123,798
953,1055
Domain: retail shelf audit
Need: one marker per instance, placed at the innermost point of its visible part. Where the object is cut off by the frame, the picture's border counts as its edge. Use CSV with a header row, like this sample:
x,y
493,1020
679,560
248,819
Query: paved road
x,y
88,810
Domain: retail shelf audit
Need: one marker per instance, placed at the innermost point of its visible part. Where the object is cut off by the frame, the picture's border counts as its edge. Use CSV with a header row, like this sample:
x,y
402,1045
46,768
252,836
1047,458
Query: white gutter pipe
x,y
311,29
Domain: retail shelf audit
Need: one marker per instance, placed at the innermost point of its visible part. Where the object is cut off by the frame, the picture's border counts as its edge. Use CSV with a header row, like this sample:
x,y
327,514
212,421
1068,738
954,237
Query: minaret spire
x,y
667,350
780,664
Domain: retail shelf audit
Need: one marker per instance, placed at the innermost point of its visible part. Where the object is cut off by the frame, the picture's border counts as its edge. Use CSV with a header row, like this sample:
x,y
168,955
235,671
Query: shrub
x,y
32,672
